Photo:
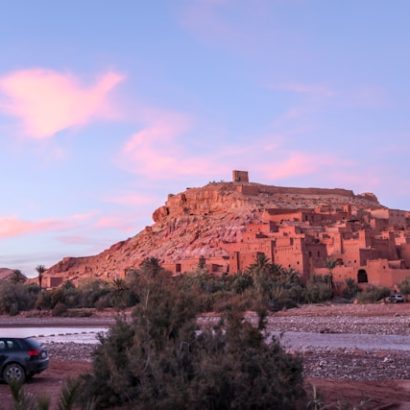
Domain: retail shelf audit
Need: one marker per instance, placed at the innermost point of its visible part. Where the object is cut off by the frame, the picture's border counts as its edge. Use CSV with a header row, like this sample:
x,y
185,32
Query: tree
x,y
162,360
330,265
151,266
17,277
40,270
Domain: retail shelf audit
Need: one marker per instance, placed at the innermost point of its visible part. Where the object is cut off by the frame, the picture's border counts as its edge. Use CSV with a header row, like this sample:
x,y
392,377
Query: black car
x,y
21,358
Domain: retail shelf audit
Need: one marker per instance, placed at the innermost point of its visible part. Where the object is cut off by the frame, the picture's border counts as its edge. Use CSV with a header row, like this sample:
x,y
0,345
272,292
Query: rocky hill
x,y
6,274
199,221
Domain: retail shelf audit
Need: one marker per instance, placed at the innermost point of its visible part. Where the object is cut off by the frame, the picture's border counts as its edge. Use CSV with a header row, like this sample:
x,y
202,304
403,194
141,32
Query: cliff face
x,y
199,221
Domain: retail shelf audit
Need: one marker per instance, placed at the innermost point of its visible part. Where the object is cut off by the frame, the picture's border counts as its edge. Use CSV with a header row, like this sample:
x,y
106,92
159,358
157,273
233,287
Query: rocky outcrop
x,y
199,221
6,274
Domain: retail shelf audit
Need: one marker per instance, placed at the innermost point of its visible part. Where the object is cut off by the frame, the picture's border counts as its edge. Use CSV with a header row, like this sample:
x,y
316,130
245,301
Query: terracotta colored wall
x,y
404,252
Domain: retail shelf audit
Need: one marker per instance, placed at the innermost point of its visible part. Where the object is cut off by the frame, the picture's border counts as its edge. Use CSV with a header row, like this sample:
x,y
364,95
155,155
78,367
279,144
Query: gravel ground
x,y
70,351
344,342
396,325
357,366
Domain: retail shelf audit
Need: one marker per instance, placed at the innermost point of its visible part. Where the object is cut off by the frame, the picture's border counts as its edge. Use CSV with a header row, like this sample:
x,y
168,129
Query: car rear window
x,y
33,343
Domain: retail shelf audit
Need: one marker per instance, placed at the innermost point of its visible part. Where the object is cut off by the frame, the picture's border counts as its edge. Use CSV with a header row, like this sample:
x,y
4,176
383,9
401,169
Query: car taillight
x,y
33,352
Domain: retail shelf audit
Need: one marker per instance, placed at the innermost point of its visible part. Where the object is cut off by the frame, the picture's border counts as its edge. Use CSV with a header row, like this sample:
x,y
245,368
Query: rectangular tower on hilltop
x,y
240,176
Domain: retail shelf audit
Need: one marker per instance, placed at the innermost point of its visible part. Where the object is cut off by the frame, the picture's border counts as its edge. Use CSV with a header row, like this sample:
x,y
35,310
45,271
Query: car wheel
x,y
14,373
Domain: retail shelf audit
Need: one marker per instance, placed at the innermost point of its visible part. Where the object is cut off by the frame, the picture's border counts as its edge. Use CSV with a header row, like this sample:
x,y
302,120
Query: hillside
x,y
6,273
200,222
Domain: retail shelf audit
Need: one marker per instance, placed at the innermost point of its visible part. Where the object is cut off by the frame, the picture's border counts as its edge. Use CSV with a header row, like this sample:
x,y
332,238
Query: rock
x,y
201,222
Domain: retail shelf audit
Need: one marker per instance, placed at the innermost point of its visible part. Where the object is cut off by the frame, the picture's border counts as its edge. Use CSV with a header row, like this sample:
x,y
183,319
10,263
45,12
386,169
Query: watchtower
x,y
240,176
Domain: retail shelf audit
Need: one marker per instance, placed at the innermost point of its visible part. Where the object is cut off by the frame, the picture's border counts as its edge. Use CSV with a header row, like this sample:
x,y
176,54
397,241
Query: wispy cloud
x,y
296,164
156,151
13,226
160,152
46,101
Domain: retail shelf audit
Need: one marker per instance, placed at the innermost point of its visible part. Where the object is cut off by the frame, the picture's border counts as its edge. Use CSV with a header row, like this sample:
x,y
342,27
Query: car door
x,y
3,352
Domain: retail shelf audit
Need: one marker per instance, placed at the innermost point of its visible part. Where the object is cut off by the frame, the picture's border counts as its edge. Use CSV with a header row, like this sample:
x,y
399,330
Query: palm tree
x,y
40,270
259,271
120,292
330,265
151,266
68,396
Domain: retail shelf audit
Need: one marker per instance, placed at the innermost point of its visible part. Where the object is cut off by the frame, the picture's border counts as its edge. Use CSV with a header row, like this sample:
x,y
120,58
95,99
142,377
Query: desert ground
x,y
351,353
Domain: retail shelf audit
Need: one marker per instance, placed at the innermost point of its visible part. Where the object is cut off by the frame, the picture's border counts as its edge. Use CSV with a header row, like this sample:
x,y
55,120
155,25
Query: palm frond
x,y
69,394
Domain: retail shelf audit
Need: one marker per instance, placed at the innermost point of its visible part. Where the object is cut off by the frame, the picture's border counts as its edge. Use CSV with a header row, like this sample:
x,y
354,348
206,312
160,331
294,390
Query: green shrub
x,y
351,289
16,297
59,309
373,294
161,360
90,291
275,286
405,286
319,289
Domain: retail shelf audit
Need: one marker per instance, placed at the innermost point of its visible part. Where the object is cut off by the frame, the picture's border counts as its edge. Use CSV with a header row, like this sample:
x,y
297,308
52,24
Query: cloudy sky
x,y
106,107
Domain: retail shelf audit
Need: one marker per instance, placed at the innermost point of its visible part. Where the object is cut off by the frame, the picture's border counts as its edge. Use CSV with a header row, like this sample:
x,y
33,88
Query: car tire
x,y
14,373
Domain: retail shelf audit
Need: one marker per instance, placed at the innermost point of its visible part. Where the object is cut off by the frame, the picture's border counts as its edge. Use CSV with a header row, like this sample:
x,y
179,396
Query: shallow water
x,y
305,340
55,334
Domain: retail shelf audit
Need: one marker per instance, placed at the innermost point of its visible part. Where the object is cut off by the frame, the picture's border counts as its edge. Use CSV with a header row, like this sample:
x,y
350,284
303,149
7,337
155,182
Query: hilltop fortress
x,y
230,223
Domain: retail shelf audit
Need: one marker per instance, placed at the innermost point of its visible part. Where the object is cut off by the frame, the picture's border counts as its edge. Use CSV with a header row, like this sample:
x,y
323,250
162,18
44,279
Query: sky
x,y
107,107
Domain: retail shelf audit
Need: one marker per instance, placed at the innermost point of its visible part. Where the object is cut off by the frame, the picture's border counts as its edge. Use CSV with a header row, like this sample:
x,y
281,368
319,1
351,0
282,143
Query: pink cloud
x,y
47,101
360,181
12,226
297,163
157,152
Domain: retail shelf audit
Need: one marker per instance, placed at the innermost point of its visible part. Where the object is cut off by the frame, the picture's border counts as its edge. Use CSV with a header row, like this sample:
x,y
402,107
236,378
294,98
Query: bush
x,y
91,291
161,360
319,289
15,297
59,309
276,287
373,294
351,289
405,286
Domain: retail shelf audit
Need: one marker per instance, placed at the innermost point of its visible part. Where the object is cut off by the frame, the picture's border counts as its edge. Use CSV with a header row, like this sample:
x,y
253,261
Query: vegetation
x,y
262,286
373,294
319,289
67,400
16,296
405,286
351,289
40,270
162,360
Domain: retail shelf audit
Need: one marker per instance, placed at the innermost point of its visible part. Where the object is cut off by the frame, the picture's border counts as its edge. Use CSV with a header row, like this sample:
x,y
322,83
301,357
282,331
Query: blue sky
x,y
105,108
